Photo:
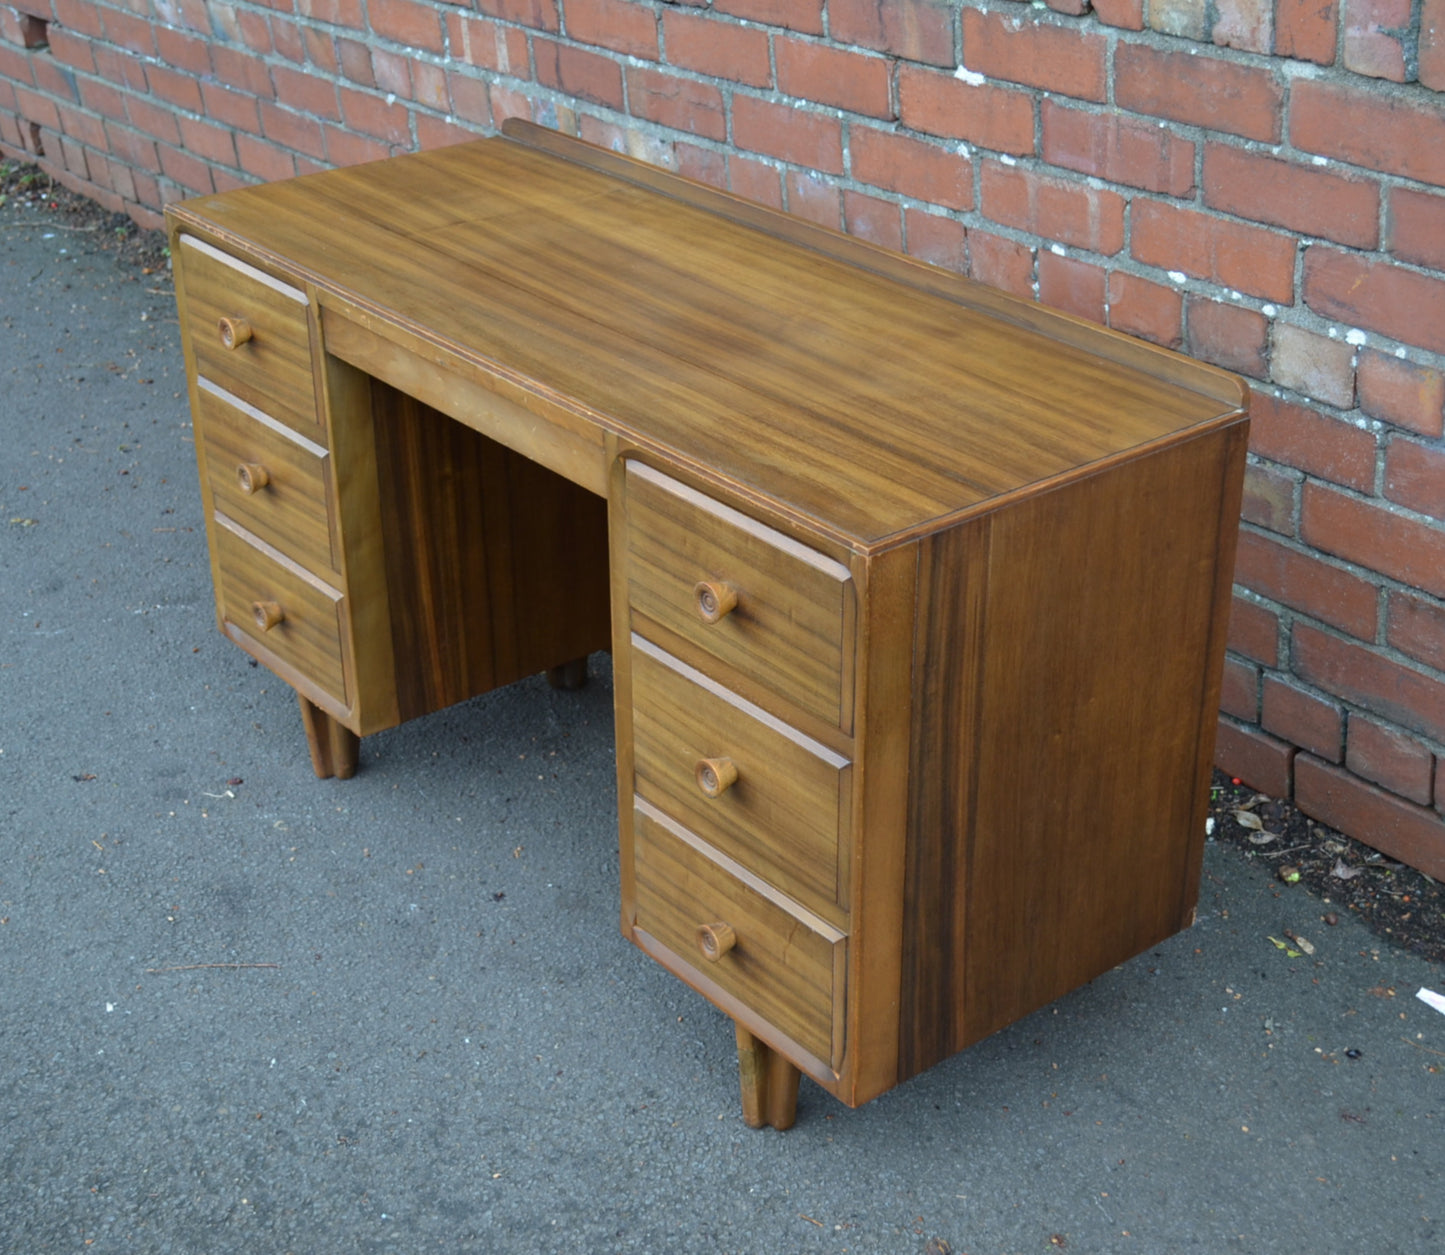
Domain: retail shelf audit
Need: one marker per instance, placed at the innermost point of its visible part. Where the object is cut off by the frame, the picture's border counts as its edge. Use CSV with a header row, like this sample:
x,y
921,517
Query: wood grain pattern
x,y
787,815
271,370
793,608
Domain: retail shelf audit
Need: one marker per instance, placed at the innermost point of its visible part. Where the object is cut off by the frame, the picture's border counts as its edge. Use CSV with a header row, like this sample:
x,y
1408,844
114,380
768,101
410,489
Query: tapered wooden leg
x,y
334,747
769,1084
570,675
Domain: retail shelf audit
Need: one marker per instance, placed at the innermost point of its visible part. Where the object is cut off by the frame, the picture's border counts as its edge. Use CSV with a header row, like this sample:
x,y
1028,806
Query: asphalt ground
x,y
245,1010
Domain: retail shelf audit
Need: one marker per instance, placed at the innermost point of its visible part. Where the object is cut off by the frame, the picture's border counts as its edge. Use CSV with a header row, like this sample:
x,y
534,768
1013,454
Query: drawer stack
x,y
266,476
741,710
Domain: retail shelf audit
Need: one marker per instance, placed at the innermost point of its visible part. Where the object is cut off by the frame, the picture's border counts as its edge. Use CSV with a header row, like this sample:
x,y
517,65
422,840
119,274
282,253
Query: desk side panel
x,y
1055,796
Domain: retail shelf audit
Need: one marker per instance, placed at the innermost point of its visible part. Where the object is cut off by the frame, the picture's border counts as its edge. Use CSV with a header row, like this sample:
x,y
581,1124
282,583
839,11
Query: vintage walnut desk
x,y
916,593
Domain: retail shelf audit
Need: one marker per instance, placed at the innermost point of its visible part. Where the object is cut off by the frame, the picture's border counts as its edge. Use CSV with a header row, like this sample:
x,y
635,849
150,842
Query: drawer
x,y
782,963
790,626
248,333
279,606
268,478
783,814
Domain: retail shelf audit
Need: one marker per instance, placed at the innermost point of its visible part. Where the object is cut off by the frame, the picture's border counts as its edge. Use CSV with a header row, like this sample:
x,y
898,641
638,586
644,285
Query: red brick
x,y
254,31
1269,498
755,180
1198,90
507,102
794,15
1254,631
334,12
684,104
722,49
1305,30
1389,757
1037,54
911,167
82,16
128,31
1232,254
293,130
814,198
705,165
1412,834
1073,8
1074,286
1416,627
1125,14
1119,149
408,23
540,15
578,73
872,219
356,62
1001,263
471,98
1303,719
346,148
71,51
265,160
286,37
1246,24
997,118
215,143
1187,19
438,132
1416,227
306,93
1370,129
1377,296
831,76
916,30
236,110
1227,335
54,79
937,239
1140,307
1366,677
178,49
392,72
429,86
145,115
1415,477
1253,757
1318,366
102,98
1372,43
796,135
1402,393
133,148
1374,536
1239,691
1432,44
1312,442
1306,583
242,71
1285,194
83,126
372,116
486,44
1057,209
321,50
190,172
125,70
621,25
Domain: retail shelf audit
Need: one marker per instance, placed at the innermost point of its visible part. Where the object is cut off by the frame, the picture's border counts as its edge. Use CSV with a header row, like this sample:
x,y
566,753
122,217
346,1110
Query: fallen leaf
x,y
1343,871
1248,819
1289,873
1301,942
1294,954
1261,838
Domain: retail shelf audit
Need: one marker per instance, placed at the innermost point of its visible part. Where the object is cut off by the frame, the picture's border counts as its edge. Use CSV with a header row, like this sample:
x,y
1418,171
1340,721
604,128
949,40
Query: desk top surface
x,y
870,395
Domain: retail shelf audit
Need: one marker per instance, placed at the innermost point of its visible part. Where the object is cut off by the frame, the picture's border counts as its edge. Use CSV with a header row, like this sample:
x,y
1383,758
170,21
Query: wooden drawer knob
x,y
234,332
715,600
252,477
268,614
715,940
715,776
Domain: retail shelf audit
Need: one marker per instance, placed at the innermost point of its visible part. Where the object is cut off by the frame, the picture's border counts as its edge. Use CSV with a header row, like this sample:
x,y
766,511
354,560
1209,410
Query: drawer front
x,y
781,816
268,361
280,607
785,967
269,479
789,627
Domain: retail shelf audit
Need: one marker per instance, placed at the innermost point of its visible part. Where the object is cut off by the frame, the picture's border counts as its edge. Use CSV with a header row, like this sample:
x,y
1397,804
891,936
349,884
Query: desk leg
x,y
334,747
570,675
769,1084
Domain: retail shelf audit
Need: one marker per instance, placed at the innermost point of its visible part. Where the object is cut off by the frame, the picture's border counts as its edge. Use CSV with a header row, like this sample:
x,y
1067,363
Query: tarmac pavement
x,y
242,1009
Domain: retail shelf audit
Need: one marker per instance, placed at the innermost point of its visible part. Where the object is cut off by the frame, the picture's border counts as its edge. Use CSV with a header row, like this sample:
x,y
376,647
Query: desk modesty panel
x,y
916,593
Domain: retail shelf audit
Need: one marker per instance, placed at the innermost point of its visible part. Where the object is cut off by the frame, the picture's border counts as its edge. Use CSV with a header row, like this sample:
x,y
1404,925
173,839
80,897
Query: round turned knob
x,y
268,614
715,776
234,332
714,600
252,477
715,940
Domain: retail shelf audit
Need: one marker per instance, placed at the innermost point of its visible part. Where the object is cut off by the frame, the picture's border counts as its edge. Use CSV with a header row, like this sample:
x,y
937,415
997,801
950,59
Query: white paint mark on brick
x,y
1178,276
1355,336
971,77
1005,159
1269,311
964,150
1400,351
1057,250
1319,161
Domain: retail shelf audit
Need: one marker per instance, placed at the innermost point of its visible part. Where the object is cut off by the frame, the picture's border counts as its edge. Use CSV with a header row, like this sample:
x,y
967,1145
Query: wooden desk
x,y
916,593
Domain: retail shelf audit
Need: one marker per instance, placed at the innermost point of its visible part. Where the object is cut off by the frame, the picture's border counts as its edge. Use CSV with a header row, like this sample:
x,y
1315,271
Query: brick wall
x,y
1260,183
